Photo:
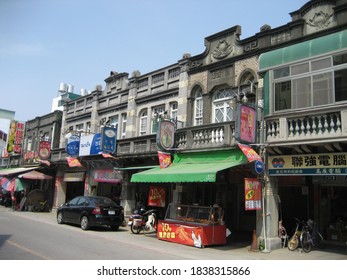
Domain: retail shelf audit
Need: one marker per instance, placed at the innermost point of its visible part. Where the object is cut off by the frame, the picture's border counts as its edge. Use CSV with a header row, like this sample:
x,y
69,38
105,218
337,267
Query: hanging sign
x,y
246,124
44,149
73,145
252,194
108,139
166,135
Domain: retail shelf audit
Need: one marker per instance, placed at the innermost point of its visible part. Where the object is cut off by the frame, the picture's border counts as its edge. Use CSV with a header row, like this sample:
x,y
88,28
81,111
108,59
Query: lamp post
x,y
237,100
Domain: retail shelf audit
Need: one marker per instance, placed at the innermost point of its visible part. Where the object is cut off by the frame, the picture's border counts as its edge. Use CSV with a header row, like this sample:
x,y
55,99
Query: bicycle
x,y
282,234
41,206
310,236
294,241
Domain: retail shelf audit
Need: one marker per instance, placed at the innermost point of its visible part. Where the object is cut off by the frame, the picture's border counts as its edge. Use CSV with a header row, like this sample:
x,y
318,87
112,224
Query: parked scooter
x,y
143,221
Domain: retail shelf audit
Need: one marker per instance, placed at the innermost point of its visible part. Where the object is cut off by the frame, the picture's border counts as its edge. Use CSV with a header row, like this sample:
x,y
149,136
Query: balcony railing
x,y
321,127
216,135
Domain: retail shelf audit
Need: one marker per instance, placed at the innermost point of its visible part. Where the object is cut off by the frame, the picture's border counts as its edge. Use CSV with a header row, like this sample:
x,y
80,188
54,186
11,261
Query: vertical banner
x,y
252,194
246,124
108,139
15,138
164,159
156,196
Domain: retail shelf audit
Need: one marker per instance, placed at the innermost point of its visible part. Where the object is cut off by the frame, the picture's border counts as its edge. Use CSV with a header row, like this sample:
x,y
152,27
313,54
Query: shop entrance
x,y
74,189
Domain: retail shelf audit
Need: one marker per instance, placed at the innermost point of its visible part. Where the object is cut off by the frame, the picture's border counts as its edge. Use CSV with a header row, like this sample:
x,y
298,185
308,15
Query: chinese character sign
x,y
308,164
15,138
156,196
252,194
246,124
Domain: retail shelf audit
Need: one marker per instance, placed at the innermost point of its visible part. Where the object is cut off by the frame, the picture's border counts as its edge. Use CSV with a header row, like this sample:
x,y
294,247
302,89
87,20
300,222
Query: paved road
x,y
153,248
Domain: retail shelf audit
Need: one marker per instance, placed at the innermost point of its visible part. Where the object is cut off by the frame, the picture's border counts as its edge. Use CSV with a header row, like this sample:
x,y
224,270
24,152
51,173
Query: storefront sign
x,y
156,196
246,124
166,135
107,176
252,194
73,145
108,139
44,149
182,234
15,138
74,177
309,164
90,145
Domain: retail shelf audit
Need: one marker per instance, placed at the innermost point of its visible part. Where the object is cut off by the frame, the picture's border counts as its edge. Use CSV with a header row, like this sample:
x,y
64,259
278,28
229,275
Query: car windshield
x,y
104,201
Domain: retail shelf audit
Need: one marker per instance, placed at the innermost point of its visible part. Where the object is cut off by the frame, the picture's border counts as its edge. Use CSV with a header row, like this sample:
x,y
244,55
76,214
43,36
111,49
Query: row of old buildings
x,y
294,76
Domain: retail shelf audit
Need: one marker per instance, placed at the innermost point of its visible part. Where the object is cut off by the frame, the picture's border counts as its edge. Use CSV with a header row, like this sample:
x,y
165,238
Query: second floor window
x,y
310,84
143,122
173,110
198,107
124,125
222,112
158,112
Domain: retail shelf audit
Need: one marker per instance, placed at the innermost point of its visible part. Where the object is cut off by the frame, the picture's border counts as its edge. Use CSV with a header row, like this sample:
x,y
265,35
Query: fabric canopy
x,y
35,175
192,167
14,171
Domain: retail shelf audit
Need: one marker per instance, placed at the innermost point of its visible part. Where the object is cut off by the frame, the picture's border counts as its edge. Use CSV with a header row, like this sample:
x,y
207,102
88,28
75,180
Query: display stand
x,y
197,226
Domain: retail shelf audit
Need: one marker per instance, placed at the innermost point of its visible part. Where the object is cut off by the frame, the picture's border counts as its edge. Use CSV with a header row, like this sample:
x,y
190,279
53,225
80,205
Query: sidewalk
x,y
237,248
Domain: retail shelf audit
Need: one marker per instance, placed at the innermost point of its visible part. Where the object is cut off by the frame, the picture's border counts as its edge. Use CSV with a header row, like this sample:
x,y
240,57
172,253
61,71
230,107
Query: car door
x,y
69,209
78,209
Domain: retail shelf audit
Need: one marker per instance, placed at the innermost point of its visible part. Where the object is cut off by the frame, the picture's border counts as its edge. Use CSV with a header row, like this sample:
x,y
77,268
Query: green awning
x,y
192,167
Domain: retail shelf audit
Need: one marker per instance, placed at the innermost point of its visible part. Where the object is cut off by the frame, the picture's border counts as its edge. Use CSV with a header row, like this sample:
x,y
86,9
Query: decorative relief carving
x,y
281,37
251,46
320,20
195,64
218,74
222,50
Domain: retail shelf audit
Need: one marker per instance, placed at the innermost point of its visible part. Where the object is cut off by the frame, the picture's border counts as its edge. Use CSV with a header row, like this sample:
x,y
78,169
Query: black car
x,y
91,211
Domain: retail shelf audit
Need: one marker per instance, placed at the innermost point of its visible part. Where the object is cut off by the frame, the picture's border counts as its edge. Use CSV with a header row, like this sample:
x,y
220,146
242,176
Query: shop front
x,y
108,183
74,184
313,186
203,185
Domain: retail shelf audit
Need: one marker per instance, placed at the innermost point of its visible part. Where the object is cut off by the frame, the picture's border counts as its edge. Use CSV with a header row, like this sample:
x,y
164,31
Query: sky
x,y
47,42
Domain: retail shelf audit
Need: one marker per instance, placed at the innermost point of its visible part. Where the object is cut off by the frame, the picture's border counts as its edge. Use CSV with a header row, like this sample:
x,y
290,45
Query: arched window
x,y
143,122
198,106
222,112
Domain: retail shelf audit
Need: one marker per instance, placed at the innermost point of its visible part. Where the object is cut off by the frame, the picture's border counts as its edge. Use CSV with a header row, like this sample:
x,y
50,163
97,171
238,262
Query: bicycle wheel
x,y
293,242
318,240
305,240
283,236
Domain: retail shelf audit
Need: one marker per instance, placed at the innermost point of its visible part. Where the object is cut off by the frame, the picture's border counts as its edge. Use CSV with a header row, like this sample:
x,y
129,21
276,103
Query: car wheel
x,y
84,223
60,218
115,227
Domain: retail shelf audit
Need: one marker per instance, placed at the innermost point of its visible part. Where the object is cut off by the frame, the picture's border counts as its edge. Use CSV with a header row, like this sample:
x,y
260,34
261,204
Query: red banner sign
x,y
164,159
252,194
45,149
249,153
187,235
156,196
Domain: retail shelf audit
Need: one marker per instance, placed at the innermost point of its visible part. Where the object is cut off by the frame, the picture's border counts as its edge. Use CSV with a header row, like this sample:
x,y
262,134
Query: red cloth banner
x,y
249,153
107,155
156,196
164,159
252,194
73,162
